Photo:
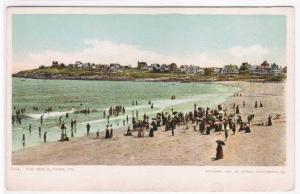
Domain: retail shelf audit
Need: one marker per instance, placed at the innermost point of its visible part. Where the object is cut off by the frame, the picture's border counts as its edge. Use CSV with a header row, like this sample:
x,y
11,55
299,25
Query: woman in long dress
x,y
219,150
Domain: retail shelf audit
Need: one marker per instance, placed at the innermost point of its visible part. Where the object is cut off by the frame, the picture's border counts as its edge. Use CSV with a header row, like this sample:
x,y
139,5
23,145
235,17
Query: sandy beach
x,y
264,146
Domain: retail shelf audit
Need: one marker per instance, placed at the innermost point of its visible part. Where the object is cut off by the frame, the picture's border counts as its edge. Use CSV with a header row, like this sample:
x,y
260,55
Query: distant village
x,y
264,69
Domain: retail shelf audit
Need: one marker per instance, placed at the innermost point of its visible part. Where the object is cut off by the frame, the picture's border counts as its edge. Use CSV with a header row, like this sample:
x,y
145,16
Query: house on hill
x,y
155,67
173,67
230,70
114,68
245,67
142,65
275,69
265,69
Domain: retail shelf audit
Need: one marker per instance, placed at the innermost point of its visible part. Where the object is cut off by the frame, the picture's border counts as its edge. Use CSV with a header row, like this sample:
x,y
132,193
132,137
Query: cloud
x,y
105,52
254,50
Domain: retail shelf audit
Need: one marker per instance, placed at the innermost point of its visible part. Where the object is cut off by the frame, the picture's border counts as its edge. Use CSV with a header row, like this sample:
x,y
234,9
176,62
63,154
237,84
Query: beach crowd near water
x,y
205,121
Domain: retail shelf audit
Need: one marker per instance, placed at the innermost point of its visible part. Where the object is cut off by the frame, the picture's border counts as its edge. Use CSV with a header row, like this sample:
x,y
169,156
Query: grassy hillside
x,y
133,74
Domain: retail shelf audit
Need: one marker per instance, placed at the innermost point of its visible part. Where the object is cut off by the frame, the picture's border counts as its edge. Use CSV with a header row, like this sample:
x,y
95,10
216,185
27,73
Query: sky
x,y
203,40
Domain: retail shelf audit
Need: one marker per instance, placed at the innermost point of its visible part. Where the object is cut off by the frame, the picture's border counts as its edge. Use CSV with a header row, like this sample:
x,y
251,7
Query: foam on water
x,y
50,114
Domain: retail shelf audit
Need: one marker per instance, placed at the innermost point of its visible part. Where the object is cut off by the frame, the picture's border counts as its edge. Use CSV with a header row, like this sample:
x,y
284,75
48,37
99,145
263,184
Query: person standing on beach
x,y
72,133
219,154
88,127
173,127
151,133
72,124
202,127
107,132
260,105
45,137
104,114
97,133
127,119
41,119
237,110
111,132
29,128
40,132
63,128
75,125
269,120
255,105
247,129
233,128
23,140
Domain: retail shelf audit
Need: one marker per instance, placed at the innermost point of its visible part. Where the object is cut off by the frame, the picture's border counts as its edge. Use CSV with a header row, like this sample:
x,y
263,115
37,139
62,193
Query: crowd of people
x,y
206,121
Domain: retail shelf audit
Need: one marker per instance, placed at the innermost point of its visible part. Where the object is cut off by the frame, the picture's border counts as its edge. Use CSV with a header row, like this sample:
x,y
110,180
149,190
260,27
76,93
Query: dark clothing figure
x,y
88,127
269,120
129,133
151,133
255,106
261,105
23,140
40,132
233,128
247,129
41,119
45,137
74,125
208,128
107,133
237,110
202,127
219,154
63,128
111,133
30,128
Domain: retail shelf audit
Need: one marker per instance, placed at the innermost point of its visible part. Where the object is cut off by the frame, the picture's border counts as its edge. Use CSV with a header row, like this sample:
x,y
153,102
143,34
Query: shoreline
x,y
177,148
95,78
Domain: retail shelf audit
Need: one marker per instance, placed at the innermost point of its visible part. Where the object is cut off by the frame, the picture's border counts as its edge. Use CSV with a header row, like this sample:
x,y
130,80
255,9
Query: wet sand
x,y
264,146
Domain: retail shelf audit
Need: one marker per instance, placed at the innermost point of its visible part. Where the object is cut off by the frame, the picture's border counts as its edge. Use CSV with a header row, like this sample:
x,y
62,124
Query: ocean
x,y
71,96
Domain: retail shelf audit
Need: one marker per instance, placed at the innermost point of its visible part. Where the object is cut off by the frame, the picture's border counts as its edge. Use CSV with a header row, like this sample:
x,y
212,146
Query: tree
x,y
208,71
173,67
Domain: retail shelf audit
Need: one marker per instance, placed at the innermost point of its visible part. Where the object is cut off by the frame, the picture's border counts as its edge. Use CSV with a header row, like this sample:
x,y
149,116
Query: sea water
x,y
69,96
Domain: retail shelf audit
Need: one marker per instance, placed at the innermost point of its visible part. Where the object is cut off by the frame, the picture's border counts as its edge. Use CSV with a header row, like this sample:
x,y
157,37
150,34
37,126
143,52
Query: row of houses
x,y
155,67
264,69
111,68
